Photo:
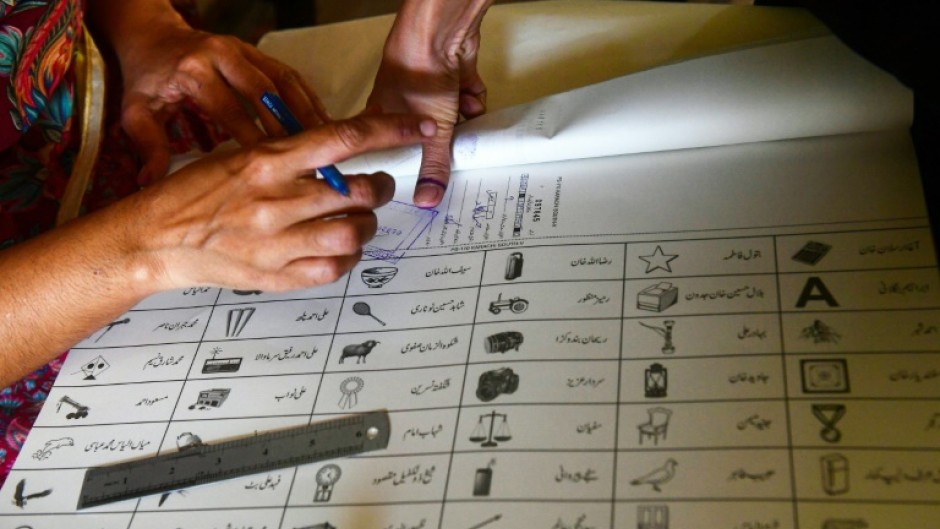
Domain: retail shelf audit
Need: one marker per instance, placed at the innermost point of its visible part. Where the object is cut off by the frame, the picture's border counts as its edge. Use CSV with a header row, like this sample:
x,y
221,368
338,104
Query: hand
x,y
164,61
257,219
429,67
249,219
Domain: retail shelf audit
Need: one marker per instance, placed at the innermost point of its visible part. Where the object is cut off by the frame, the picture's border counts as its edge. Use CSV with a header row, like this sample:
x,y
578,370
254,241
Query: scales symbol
x,y
487,438
829,415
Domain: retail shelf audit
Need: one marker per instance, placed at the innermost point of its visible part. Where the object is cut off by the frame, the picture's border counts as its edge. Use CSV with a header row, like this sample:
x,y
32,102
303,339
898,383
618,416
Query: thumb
x,y
435,168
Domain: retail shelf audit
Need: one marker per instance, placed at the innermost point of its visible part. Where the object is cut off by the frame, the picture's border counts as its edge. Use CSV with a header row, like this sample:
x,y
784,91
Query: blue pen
x,y
279,110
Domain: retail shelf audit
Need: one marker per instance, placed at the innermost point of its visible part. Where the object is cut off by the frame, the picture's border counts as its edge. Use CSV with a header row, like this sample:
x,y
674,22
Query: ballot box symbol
x,y
658,297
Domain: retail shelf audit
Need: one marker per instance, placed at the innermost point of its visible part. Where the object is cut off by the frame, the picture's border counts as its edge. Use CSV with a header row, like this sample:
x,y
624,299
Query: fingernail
x,y
428,127
428,195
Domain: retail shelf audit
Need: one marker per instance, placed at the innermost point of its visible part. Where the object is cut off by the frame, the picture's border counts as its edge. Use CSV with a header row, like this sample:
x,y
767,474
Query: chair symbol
x,y
657,425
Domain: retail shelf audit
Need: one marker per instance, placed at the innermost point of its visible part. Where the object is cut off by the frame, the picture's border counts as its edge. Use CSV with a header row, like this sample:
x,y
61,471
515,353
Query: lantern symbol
x,y
656,381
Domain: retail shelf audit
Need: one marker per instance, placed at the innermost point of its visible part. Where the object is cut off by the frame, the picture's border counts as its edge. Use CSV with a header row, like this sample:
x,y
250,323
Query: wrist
x,y
433,32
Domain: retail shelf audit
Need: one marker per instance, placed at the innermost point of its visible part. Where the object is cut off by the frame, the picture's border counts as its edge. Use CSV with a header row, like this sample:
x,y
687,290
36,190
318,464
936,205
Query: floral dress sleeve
x,y
37,41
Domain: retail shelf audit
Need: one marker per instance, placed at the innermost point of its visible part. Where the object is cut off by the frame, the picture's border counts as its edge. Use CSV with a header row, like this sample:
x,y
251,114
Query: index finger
x,y
340,140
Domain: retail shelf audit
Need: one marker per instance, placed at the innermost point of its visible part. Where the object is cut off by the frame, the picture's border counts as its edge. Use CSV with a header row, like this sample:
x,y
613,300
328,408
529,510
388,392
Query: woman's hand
x,y
164,61
255,218
259,219
429,67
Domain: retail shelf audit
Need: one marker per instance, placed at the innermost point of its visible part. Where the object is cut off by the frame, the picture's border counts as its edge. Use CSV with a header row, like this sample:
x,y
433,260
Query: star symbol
x,y
658,260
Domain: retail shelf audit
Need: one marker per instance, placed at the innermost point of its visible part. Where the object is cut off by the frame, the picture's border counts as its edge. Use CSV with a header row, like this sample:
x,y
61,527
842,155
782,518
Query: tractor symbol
x,y
516,304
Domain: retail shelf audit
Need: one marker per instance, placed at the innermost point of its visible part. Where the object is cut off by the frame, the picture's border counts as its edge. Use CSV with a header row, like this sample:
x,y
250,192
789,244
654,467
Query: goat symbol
x,y
360,351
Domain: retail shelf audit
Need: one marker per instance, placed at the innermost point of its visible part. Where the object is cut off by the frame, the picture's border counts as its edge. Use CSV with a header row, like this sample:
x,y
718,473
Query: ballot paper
x,y
641,304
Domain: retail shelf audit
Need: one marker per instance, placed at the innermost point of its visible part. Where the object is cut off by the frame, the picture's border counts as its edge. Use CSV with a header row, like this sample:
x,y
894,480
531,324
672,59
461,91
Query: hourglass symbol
x,y
486,437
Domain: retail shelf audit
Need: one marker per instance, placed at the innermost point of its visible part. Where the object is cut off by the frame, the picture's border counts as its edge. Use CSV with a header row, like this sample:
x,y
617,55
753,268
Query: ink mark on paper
x,y
52,445
658,297
350,389
829,375
363,309
658,476
517,305
358,351
20,496
237,320
488,432
657,426
79,411
400,225
658,260
829,415
666,332
377,277
247,292
211,398
108,327
655,381
497,382
811,253
483,479
326,478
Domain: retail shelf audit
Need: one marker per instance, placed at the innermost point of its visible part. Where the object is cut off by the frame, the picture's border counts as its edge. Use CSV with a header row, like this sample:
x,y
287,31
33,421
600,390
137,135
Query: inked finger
x,y
435,170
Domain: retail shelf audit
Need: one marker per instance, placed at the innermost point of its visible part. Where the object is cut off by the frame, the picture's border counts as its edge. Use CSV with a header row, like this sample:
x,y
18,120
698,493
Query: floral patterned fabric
x,y
38,142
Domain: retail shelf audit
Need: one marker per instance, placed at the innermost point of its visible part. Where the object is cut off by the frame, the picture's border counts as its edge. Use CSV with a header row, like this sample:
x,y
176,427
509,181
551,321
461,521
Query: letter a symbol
x,y
815,290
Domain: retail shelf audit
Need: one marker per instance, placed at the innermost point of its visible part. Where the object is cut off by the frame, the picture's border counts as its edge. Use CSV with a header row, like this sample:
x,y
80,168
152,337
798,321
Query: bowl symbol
x,y
378,276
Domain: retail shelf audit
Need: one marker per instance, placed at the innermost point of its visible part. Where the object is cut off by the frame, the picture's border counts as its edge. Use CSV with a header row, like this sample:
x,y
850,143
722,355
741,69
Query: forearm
x,y
61,286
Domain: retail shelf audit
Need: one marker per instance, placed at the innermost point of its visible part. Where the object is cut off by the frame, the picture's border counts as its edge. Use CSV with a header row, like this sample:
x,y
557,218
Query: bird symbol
x,y
659,476
20,500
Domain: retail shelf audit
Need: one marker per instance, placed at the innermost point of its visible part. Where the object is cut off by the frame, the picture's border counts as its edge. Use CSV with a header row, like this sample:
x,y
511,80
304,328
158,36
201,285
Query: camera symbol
x,y
497,382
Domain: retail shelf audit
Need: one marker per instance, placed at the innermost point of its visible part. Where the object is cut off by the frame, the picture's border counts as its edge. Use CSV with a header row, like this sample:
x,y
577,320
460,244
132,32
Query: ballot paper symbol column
x,y
237,320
